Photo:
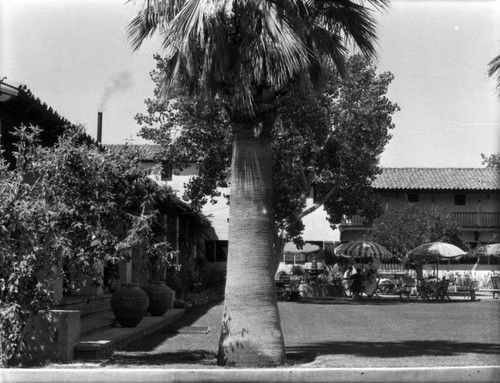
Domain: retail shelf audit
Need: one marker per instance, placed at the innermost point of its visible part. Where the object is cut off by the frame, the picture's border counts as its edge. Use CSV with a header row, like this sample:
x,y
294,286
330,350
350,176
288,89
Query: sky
x,y
74,56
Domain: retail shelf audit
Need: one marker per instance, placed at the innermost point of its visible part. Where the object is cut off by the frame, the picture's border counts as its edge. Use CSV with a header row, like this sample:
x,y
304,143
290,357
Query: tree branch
x,y
315,206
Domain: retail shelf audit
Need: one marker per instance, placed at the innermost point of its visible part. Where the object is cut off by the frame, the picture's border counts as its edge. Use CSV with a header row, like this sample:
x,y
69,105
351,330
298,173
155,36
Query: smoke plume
x,y
120,82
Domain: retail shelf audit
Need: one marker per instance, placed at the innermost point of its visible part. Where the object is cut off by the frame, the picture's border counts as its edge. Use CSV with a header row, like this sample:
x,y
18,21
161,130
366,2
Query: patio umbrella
x,y
361,249
435,251
290,247
300,254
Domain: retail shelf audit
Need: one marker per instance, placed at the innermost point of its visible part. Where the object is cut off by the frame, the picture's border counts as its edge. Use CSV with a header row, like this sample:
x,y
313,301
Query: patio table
x,y
432,288
427,287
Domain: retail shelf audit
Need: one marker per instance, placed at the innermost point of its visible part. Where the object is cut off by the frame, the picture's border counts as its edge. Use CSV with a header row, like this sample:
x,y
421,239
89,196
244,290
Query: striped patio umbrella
x,y
363,249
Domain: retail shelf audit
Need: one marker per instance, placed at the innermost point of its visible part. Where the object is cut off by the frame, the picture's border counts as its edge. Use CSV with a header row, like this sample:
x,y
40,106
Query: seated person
x,y
356,283
346,281
370,282
450,276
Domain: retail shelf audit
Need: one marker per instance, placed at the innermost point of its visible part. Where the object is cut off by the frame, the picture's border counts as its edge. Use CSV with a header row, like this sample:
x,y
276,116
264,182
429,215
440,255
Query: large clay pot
x,y
129,304
160,297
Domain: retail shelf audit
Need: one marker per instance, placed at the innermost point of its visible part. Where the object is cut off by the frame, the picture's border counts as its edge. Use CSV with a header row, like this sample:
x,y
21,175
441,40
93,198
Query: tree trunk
x,y
251,329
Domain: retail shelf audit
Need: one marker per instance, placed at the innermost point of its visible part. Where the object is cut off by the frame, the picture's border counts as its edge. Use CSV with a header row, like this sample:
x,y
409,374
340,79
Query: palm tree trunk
x,y
251,329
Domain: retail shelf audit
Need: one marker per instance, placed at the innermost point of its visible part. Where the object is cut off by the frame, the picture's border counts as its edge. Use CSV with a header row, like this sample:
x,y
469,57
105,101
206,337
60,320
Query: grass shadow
x,y
308,353
378,301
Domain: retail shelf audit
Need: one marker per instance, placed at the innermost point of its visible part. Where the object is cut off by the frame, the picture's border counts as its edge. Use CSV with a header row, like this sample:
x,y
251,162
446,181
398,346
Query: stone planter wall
x,y
55,334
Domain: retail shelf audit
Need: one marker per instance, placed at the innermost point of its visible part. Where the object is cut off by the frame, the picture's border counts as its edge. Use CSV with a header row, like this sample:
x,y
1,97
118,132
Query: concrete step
x,y
96,322
95,313
100,345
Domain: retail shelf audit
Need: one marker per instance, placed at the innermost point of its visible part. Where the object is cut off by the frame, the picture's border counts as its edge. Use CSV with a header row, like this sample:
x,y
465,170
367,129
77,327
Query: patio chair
x,y
387,286
288,289
405,286
442,291
370,286
423,290
470,291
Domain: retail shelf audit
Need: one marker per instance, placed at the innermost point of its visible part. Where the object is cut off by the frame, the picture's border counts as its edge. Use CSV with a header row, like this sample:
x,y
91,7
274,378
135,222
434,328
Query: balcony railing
x,y
465,219
477,219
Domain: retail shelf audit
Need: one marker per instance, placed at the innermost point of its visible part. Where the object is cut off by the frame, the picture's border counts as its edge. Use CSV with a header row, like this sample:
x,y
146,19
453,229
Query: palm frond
x,y
354,20
494,69
154,15
240,46
326,45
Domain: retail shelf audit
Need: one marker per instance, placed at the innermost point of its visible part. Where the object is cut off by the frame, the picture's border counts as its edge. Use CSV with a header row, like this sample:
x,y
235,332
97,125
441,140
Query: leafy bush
x,y
403,230
297,270
72,204
212,276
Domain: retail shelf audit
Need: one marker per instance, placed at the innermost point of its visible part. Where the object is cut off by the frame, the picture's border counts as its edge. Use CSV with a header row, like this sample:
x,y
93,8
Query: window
x,y
288,258
216,251
412,197
210,251
221,251
300,258
166,171
460,199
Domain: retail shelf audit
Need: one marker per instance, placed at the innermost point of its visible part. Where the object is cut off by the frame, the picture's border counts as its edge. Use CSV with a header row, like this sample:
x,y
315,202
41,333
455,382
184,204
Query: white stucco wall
x,y
474,202
317,227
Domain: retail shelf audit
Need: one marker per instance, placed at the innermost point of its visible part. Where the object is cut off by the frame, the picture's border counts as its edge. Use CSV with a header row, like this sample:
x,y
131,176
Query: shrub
x,y
72,204
297,270
212,276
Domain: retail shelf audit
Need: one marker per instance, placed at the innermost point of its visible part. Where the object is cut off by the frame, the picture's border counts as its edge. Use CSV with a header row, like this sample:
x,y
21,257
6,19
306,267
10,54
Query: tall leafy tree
x,y
332,145
250,53
403,230
491,160
328,141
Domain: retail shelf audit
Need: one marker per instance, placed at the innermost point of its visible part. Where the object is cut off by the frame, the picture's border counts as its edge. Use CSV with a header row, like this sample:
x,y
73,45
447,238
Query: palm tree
x,y
250,54
494,67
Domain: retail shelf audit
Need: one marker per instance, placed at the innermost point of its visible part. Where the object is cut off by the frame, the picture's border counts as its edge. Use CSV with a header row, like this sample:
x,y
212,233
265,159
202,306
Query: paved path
x,y
327,375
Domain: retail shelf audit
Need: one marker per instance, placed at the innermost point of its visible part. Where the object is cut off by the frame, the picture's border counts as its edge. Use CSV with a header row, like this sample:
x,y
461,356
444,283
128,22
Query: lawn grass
x,y
344,333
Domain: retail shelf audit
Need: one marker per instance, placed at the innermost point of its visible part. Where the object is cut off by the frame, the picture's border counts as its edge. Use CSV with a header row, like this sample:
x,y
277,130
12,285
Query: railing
x,y
465,219
354,220
391,268
477,219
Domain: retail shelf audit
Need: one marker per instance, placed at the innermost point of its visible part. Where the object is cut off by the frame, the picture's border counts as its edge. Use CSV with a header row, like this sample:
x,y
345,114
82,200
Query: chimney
x,y
99,127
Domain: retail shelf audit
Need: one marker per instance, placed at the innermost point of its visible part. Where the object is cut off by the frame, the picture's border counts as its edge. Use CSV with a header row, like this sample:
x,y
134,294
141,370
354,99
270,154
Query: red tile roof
x,y
438,179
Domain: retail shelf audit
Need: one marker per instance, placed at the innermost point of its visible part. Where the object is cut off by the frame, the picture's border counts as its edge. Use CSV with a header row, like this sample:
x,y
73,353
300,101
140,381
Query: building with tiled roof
x,y
470,195
485,179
